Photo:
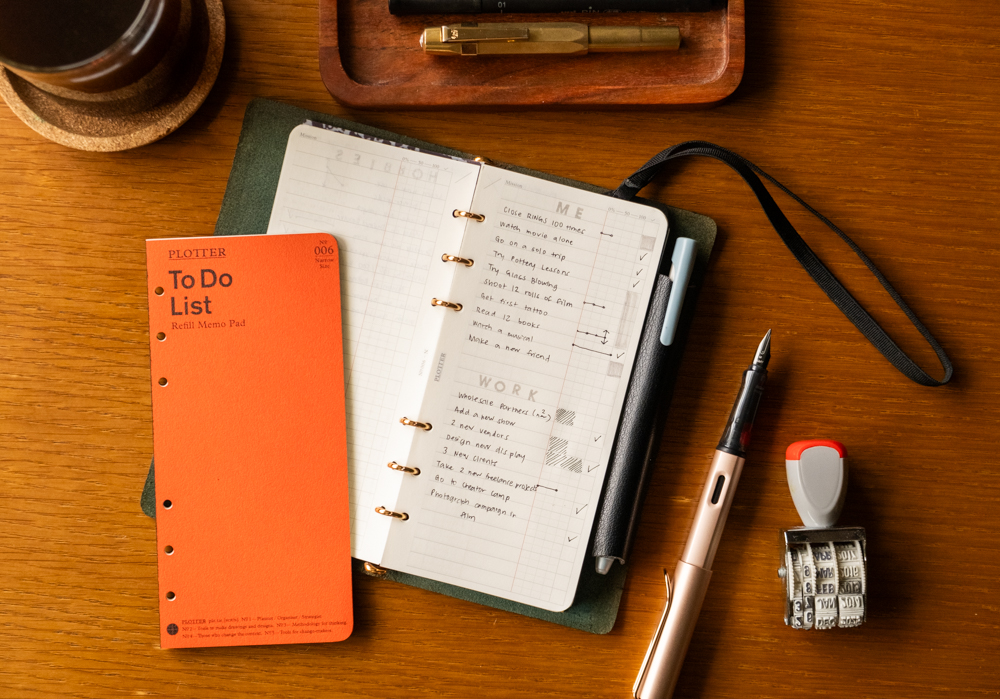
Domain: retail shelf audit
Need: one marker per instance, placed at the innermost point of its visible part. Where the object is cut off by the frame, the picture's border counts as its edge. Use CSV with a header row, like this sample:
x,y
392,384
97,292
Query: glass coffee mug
x,y
108,54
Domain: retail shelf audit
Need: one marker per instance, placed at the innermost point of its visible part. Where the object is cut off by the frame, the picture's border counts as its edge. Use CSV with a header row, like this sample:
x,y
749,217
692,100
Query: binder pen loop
x,y
412,470
458,213
389,513
455,258
426,426
446,304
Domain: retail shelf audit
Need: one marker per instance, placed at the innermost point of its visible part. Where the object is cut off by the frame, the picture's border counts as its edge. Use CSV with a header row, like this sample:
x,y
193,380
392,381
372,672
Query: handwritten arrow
x,y
606,354
554,490
588,303
610,235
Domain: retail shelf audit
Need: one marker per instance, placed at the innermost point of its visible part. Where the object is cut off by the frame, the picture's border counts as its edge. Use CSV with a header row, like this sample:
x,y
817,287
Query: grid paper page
x,y
390,211
528,389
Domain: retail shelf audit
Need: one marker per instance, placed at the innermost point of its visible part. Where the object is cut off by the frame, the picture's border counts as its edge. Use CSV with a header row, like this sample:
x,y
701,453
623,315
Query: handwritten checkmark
x,y
580,509
598,437
620,355
636,284
643,256
570,538
638,273
591,468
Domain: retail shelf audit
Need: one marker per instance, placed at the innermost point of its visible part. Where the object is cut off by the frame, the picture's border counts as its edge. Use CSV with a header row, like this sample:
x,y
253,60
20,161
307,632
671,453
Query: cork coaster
x,y
79,125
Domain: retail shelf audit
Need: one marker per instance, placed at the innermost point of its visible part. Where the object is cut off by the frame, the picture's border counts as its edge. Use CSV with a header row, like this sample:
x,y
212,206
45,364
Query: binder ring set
x,y
446,304
412,470
455,258
389,513
426,426
458,213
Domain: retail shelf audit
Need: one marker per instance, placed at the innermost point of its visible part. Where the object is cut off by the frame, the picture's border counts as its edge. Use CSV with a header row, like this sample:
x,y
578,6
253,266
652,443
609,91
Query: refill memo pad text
x,y
491,322
252,528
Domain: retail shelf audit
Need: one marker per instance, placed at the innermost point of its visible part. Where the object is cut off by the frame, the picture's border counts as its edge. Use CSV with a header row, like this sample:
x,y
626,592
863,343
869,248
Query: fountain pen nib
x,y
763,356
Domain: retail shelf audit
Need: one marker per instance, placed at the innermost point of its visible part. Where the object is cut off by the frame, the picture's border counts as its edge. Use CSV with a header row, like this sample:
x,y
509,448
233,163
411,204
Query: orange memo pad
x,y
249,440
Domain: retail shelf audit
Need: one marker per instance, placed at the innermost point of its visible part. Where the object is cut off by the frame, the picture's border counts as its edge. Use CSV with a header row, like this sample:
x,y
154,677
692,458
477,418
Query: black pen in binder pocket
x,y
634,449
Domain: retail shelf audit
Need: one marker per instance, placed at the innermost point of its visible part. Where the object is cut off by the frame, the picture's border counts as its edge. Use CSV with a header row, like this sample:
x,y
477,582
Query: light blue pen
x,y
681,264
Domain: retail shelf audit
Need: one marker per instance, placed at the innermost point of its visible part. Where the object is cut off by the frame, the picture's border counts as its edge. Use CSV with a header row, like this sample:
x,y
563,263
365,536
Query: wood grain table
x,y
883,115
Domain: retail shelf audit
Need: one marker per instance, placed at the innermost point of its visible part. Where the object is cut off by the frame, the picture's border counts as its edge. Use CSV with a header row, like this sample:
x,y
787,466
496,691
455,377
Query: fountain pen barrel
x,y
558,38
665,656
634,39
736,437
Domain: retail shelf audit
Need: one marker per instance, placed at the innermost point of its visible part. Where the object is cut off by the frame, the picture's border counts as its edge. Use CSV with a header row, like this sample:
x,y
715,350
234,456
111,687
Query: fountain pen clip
x,y
472,31
656,637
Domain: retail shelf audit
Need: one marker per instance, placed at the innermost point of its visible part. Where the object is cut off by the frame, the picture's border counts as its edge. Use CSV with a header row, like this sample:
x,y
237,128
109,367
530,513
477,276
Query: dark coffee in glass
x,y
86,45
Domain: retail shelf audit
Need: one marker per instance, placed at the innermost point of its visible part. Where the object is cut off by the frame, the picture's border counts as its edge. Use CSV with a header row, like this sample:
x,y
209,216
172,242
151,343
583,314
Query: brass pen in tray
x,y
561,38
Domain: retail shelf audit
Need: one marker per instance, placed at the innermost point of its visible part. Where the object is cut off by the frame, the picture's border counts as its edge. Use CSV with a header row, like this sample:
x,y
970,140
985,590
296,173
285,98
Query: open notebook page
x,y
527,389
390,209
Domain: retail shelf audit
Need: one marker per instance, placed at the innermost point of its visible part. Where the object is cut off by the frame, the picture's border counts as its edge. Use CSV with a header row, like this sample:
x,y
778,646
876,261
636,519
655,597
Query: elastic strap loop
x,y
842,298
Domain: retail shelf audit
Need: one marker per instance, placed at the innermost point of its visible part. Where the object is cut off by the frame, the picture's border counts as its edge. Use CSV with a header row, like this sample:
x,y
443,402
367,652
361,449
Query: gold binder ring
x,y
455,258
389,513
373,569
412,470
458,213
446,304
414,423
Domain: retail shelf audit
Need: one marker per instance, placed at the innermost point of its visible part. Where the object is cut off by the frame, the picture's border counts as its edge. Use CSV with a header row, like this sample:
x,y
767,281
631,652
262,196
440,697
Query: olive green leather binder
x,y
246,210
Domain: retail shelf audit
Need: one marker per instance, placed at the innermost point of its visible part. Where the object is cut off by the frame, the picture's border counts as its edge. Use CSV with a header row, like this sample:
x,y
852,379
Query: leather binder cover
x,y
246,209
253,533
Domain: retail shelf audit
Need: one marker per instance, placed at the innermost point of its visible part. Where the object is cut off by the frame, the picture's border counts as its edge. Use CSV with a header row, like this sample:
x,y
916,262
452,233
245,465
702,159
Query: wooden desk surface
x,y
883,115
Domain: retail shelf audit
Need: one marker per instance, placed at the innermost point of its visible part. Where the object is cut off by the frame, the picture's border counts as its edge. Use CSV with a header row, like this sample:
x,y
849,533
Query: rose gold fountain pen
x,y
662,664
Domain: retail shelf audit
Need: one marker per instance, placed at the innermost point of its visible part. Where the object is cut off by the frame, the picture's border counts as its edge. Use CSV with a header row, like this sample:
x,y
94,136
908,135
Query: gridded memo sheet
x,y
529,381
390,209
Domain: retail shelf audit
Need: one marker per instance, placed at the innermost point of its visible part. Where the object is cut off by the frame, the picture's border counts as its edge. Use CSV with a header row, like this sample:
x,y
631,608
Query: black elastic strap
x,y
804,254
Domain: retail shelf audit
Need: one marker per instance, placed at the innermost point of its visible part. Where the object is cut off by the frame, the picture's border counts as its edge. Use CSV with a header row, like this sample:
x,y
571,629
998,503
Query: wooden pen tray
x,y
369,58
